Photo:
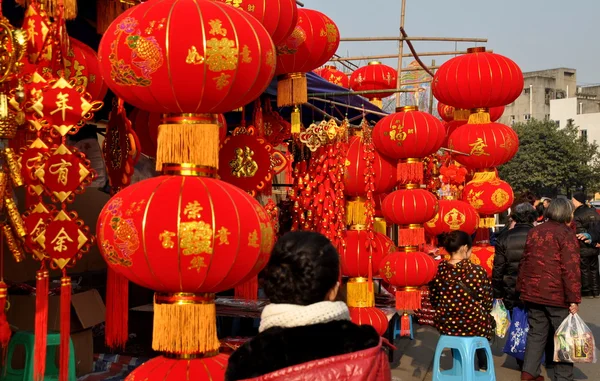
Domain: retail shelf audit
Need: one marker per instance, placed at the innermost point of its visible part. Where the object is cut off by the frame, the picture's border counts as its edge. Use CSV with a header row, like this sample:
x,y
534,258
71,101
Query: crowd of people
x,y
546,259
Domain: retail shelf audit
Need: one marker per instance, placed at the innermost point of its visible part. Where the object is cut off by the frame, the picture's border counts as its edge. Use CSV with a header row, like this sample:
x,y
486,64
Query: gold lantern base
x,y
480,116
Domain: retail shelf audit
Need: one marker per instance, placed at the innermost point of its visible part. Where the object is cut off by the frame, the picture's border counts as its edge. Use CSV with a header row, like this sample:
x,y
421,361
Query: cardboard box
x,y
87,310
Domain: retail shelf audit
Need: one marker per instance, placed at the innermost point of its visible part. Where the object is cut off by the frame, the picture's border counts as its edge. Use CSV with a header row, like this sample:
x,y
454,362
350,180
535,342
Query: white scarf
x,y
293,315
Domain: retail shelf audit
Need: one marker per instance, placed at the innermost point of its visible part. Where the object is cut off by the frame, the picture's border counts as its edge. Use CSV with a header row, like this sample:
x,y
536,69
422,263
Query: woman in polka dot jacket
x,y
461,293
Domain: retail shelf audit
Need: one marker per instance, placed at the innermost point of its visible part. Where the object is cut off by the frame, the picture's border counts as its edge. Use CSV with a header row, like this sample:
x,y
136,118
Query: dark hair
x,y
454,240
303,268
560,210
541,210
524,213
526,196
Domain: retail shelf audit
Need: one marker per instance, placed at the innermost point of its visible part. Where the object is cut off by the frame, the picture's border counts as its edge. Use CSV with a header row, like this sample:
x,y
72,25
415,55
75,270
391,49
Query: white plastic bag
x,y
502,318
574,342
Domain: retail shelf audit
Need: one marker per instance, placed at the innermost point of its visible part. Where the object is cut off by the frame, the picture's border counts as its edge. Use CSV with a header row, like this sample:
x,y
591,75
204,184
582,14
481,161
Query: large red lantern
x,y
355,257
277,16
483,255
487,145
370,316
187,56
83,68
313,42
171,369
446,112
374,77
410,209
407,271
453,215
488,198
478,79
186,238
334,75
354,175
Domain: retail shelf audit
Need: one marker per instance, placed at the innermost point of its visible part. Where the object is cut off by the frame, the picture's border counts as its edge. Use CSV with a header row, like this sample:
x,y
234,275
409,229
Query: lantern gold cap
x,y
479,109
330,67
477,49
374,63
407,108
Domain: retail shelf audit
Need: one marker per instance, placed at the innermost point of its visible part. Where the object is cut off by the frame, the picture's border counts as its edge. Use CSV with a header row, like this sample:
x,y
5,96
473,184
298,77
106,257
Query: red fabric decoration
x,y
461,82
410,208
277,16
483,255
488,145
208,222
187,56
354,174
65,327
453,215
42,280
355,258
369,316
30,159
65,239
165,369
453,174
333,75
38,20
5,331
313,42
489,197
374,76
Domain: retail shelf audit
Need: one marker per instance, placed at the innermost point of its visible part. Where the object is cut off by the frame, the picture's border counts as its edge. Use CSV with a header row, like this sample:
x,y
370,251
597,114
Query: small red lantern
x,y
496,113
354,175
446,112
487,145
453,215
463,82
407,271
356,259
410,209
370,316
483,255
171,369
374,77
449,113
489,198
277,16
333,75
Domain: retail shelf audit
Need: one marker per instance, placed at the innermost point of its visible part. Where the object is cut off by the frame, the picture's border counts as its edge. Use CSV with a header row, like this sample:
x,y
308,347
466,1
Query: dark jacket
x,y
509,251
549,271
280,348
585,218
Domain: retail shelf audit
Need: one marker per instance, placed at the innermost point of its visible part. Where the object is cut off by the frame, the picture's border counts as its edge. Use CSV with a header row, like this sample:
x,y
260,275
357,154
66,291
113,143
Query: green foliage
x,y
552,160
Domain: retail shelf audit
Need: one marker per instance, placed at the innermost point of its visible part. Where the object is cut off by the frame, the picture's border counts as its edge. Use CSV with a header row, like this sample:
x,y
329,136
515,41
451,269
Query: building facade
x,y
583,110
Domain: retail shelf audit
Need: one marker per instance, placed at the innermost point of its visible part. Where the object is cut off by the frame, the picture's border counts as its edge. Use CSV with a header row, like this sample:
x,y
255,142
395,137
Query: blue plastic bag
x,y
517,335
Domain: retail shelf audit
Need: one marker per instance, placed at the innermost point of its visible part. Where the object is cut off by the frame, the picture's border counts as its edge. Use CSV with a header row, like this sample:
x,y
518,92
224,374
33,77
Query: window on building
x,y
527,116
584,135
526,90
558,123
547,117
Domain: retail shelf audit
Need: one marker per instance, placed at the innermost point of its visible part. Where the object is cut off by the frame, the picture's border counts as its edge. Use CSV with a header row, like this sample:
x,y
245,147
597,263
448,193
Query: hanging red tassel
x,y
41,324
65,327
410,172
405,325
247,290
4,326
408,299
117,310
412,236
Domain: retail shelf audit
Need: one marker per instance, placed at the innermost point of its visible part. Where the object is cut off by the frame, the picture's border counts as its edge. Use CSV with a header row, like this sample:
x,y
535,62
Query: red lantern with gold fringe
x,y
483,255
488,197
453,215
356,259
407,271
410,209
370,316
204,228
374,77
333,75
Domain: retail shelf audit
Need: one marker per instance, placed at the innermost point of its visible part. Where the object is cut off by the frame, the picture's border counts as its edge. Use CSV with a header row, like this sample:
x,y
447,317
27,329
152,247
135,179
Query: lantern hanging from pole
x,y
369,316
333,75
453,215
374,77
488,197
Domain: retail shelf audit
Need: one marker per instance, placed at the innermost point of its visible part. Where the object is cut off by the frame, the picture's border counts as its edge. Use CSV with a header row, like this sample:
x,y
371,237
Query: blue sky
x,y
537,34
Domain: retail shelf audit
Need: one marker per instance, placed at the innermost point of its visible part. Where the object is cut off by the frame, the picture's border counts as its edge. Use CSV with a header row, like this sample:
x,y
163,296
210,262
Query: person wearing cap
x,y
584,218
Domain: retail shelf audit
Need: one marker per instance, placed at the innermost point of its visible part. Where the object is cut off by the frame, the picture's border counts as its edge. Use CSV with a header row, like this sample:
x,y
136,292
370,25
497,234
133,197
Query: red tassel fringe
x,y
65,328
482,235
412,237
247,290
405,325
4,326
117,310
408,300
41,324
410,173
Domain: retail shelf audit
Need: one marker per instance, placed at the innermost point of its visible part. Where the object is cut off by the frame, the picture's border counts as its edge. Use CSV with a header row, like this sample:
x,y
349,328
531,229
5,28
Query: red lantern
x,y
333,75
354,175
478,79
483,255
370,316
171,369
184,237
496,113
356,258
83,68
277,16
488,145
187,56
453,215
374,77
489,198
407,271
410,208
446,112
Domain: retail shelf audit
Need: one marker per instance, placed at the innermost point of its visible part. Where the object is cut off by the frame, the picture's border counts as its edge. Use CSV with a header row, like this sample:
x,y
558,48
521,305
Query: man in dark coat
x,y
584,218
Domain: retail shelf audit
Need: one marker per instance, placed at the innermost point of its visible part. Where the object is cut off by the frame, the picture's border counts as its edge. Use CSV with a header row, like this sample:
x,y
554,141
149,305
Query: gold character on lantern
x,y
454,219
235,3
62,170
192,210
388,273
61,240
77,73
31,30
197,263
62,105
474,199
166,239
33,162
195,238
193,57
246,54
508,144
478,148
221,54
38,230
266,238
270,60
253,239
500,197
223,235
216,28
434,221
243,165
222,81
397,132
251,8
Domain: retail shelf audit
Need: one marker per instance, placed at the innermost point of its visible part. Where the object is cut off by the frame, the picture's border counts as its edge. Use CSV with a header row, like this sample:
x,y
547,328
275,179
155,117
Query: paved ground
x,y
414,359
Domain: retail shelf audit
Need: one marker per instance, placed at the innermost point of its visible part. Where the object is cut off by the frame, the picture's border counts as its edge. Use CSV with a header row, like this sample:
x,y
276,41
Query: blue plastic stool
x,y
26,339
463,359
397,327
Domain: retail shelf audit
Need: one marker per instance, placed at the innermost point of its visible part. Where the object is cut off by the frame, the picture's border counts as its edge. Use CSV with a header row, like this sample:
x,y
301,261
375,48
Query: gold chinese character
x,y
246,58
80,79
397,132
216,28
235,3
243,165
193,57
222,81
166,238
38,230
454,219
34,161
60,240
221,54
474,199
195,238
478,148
62,105
253,239
388,273
251,8
223,236
266,238
192,210
197,263
62,170
270,61
31,30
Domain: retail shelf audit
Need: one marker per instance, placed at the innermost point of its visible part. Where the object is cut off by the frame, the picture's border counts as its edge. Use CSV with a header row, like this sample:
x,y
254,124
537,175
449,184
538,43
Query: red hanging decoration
x,y
65,327
42,280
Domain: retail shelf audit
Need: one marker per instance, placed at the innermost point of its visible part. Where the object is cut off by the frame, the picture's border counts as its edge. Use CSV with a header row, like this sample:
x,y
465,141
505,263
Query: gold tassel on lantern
x,y
296,121
487,222
461,114
292,89
178,132
379,225
13,167
480,116
15,217
377,102
185,324
108,10
356,211
359,294
484,176
12,244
